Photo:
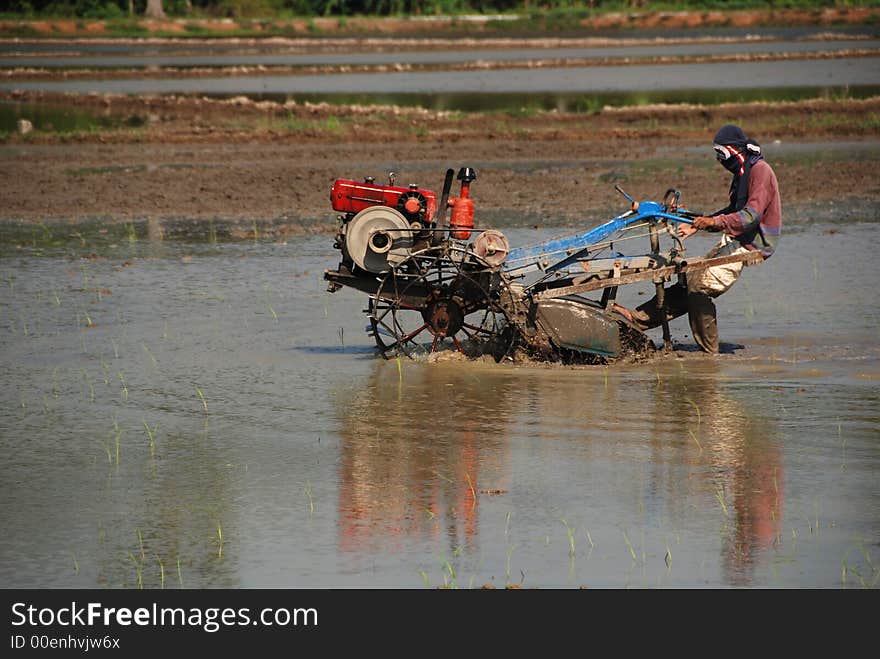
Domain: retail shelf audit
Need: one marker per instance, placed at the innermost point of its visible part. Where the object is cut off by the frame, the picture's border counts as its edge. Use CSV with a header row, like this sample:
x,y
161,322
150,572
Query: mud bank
x,y
274,163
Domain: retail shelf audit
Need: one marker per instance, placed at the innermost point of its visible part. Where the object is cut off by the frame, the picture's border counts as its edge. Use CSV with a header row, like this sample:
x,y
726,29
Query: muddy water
x,y
444,56
204,415
651,78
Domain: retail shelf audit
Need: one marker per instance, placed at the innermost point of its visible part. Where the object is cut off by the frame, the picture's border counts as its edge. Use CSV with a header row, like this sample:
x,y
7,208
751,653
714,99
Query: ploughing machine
x,y
433,284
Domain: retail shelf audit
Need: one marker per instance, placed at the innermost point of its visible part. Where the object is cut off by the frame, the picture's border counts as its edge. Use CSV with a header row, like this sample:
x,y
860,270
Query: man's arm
x,y
733,224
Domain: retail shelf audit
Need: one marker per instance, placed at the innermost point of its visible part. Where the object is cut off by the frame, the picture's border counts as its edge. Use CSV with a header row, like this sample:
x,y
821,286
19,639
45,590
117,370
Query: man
x,y
751,221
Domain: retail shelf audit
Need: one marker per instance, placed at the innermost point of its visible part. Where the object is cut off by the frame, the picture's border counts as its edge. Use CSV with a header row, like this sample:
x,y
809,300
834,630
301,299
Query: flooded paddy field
x,y
201,413
83,55
185,406
652,77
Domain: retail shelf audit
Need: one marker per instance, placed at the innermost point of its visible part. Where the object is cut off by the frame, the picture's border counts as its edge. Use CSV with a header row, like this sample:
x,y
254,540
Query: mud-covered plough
x,y
433,284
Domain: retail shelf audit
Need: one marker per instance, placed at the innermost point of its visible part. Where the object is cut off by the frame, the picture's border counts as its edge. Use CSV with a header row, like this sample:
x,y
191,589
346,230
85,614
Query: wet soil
x,y
267,161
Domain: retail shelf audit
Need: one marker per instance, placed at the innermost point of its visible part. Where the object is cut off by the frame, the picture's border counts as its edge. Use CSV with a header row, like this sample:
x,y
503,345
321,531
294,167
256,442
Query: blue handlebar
x,y
543,255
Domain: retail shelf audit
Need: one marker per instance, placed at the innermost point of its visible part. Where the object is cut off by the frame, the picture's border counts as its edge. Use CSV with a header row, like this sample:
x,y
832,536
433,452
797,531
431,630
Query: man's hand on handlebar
x,y
699,222
703,222
686,230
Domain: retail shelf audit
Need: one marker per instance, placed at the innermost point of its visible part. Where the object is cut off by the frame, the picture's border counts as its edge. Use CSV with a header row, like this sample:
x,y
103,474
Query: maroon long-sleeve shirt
x,y
763,209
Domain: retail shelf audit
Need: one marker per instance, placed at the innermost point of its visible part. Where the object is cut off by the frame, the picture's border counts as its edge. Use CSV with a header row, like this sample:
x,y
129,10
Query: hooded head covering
x,y
737,153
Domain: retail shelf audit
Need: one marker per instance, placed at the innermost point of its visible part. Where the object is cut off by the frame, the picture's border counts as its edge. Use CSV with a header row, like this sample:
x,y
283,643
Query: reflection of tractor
x,y
430,282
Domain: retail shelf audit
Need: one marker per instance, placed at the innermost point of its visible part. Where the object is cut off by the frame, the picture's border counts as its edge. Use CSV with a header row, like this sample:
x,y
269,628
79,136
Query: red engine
x,y
414,203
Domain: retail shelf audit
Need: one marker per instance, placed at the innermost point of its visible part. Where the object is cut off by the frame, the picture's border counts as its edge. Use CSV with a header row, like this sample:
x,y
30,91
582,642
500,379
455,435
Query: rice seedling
x,y
341,333
139,571
161,572
632,552
509,554
473,491
399,370
150,355
202,397
219,541
131,233
179,573
859,577
450,583
590,539
118,432
867,556
75,564
311,499
694,437
570,532
507,525
697,408
151,433
269,302
667,558
212,232
719,495
108,452
124,386
446,478
425,580
141,543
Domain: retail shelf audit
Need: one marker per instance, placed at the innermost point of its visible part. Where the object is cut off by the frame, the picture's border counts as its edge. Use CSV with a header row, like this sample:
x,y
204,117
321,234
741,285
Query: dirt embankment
x,y
360,25
199,158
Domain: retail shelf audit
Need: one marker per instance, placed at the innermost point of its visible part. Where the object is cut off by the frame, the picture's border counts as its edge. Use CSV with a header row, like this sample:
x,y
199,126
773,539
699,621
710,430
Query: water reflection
x,y
675,439
414,452
742,446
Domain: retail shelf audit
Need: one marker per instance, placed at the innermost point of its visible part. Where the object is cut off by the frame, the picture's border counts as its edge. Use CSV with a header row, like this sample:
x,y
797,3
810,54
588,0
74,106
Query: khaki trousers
x,y
695,299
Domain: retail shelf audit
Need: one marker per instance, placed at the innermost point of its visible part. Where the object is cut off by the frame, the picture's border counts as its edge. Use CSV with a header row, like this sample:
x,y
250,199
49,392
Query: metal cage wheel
x,y
439,297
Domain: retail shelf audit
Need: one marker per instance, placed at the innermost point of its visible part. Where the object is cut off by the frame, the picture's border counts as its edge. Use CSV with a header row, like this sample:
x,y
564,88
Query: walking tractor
x,y
433,284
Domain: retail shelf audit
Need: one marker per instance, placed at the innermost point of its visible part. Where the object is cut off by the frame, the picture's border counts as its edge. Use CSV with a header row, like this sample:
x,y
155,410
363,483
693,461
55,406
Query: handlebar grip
x,y
620,190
